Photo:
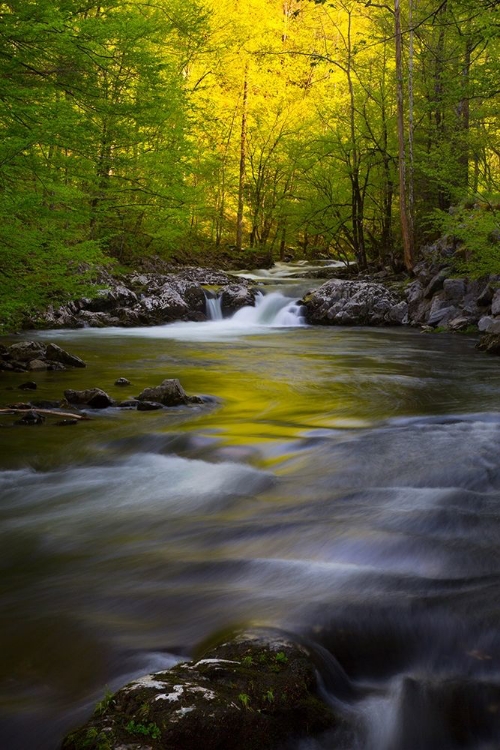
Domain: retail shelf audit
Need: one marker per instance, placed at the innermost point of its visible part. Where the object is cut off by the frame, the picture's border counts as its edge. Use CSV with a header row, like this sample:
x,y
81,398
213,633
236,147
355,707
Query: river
x,y
341,484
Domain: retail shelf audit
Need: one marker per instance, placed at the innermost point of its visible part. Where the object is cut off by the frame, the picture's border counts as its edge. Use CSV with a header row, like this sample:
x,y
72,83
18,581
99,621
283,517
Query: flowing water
x,y
340,484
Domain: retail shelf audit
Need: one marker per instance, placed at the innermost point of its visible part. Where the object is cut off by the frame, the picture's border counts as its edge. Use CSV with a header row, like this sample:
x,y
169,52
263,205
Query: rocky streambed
x,y
435,298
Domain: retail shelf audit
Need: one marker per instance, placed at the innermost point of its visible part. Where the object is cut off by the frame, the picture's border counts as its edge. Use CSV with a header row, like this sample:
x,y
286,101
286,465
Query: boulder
x,y
37,365
236,296
122,382
251,693
93,397
26,351
54,353
111,298
436,283
164,307
342,302
169,393
495,303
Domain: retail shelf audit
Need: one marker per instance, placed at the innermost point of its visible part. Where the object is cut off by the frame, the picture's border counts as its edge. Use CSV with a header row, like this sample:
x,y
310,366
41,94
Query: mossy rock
x,y
251,693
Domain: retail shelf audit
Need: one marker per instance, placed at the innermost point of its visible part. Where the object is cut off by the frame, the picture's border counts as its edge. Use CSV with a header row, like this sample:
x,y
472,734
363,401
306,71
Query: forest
x,y
242,132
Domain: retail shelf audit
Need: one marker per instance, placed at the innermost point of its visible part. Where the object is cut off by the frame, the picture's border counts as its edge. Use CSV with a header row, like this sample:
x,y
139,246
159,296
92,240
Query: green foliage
x,y
247,661
477,227
281,657
244,699
92,739
148,730
104,703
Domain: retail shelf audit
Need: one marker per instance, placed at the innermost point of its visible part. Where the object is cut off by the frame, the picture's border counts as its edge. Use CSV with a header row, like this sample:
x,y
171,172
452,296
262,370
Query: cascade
x,y
213,307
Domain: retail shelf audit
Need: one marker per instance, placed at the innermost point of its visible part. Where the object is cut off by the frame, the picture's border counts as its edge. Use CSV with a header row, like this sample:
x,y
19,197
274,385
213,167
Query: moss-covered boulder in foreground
x,y
251,693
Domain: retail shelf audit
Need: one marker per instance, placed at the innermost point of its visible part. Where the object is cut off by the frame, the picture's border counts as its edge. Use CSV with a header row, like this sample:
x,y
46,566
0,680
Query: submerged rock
x,y
251,693
341,302
96,398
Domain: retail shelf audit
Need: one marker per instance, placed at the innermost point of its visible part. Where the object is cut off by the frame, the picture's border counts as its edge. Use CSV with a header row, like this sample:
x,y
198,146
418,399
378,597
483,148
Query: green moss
x,y
148,730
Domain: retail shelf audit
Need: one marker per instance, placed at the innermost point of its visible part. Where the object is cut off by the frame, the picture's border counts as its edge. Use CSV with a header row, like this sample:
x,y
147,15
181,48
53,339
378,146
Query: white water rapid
x,y
272,310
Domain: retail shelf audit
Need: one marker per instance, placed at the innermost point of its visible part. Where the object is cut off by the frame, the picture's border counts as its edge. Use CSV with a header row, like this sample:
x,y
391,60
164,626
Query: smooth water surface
x,y
343,485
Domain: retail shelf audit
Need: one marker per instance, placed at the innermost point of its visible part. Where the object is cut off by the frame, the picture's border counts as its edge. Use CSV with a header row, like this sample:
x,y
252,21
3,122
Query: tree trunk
x,y
241,186
405,216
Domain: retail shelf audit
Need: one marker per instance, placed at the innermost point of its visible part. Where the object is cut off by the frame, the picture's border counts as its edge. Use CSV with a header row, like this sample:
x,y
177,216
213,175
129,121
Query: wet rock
x,y
30,418
489,343
129,403
45,404
26,351
236,296
169,393
37,365
30,385
96,398
122,382
148,406
251,693
340,302
37,356
54,353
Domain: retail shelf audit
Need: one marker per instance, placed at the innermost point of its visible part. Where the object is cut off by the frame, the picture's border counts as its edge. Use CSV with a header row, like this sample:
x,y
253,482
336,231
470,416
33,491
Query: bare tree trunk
x,y
406,221
241,186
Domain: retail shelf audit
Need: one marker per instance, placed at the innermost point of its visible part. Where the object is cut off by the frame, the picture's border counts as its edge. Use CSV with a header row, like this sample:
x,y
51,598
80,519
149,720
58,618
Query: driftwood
x,y
51,412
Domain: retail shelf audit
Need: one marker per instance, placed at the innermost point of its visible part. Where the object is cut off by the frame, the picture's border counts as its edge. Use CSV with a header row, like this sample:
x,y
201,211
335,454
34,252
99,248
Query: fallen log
x,y
50,412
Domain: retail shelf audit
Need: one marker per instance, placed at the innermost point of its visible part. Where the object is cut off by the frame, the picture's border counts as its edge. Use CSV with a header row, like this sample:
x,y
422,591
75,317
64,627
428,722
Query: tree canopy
x,y
169,128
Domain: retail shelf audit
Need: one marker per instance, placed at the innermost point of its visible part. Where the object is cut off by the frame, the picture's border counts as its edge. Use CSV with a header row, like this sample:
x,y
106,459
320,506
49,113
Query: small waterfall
x,y
272,310
213,307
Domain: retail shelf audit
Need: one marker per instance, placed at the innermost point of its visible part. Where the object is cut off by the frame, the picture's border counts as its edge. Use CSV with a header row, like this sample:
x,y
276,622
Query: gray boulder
x,y
342,302
236,296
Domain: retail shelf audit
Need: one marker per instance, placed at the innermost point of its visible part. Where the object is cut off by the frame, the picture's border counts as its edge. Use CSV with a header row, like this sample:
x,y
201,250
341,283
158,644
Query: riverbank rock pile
x,y
145,299
437,298
342,302
36,356
251,693
169,393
